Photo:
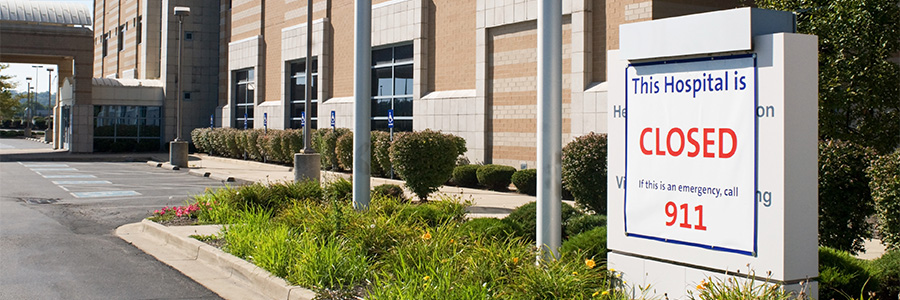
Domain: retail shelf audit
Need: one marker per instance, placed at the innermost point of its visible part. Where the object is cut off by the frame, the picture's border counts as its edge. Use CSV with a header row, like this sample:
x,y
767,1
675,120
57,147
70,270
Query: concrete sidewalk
x,y
485,203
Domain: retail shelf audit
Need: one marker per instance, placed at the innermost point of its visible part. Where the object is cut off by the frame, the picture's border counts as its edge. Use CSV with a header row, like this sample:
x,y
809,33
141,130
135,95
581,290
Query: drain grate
x,y
31,200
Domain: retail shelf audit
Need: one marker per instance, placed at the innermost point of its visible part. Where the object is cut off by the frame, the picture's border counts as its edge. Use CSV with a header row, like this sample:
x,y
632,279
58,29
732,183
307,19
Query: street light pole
x,y
28,108
49,89
307,163
178,149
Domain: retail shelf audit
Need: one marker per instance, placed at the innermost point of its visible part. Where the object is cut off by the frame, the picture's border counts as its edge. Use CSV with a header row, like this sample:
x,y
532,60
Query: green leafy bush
x,y
465,175
842,274
845,200
524,218
590,244
887,270
344,151
381,158
389,190
488,227
583,223
885,186
425,159
339,189
495,177
584,171
326,144
525,181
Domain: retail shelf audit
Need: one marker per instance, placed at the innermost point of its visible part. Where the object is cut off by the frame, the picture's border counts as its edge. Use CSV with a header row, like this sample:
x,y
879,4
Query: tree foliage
x,y
9,104
859,87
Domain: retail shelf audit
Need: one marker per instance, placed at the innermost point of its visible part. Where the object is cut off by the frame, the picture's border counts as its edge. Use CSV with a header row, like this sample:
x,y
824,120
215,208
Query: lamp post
x,y
27,108
48,133
178,149
307,163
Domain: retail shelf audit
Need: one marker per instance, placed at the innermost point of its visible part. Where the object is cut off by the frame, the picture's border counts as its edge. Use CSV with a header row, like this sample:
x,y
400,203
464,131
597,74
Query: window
x,y
121,38
139,26
105,42
187,96
126,128
243,98
392,87
188,35
297,83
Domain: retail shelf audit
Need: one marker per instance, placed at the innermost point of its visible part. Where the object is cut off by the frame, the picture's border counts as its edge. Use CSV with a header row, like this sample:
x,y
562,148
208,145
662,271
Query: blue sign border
x,y
755,156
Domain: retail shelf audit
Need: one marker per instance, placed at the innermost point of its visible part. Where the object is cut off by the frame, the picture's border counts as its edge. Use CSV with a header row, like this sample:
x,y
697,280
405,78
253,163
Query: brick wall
x,y
452,45
512,98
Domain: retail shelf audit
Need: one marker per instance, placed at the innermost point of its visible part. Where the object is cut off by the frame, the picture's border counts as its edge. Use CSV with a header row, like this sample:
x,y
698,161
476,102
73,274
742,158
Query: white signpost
x,y
712,151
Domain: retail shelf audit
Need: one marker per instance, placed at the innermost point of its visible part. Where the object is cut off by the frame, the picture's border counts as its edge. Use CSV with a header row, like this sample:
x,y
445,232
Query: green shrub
x,y
432,214
885,186
292,143
465,175
344,151
339,190
200,138
887,270
381,159
845,200
495,177
307,190
590,244
389,190
326,144
425,159
488,227
583,223
525,181
584,171
524,219
842,274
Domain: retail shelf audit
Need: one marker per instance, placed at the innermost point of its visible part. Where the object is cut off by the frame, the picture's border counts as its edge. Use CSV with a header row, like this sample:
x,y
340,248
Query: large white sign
x,y
690,154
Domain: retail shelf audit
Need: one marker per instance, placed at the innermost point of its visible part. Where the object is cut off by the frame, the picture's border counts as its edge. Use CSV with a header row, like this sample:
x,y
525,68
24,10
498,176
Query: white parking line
x,y
73,182
39,170
69,176
47,166
105,194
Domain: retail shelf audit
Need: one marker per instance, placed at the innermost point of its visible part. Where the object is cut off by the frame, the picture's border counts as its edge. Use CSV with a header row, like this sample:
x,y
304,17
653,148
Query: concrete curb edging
x,y
222,273
195,172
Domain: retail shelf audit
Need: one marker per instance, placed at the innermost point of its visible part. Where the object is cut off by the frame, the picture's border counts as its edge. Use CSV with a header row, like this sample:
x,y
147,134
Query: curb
x,y
195,172
222,273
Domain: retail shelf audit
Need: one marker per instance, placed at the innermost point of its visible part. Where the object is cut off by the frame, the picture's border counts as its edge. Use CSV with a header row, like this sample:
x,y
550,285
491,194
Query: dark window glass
x,y
382,56
380,107
403,53
381,82
403,107
403,80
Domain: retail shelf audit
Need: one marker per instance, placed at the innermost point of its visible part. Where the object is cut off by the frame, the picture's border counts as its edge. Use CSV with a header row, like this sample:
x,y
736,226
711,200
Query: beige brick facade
x,y
474,60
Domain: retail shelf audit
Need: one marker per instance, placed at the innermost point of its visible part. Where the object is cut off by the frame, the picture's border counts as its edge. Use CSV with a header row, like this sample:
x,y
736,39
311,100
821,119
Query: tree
x,y
9,104
859,87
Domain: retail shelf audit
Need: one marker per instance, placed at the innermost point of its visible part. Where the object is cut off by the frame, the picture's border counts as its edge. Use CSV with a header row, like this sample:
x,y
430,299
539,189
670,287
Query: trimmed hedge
x,y
344,151
524,219
325,141
381,158
425,159
389,190
845,201
274,146
842,274
465,175
525,181
590,244
885,186
584,171
495,177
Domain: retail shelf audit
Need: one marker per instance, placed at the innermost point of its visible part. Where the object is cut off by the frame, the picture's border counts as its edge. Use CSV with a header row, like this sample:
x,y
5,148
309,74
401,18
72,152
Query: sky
x,y
21,71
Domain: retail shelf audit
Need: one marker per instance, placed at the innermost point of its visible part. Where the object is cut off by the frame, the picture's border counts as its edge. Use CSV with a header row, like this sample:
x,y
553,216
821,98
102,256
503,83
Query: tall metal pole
x,y
178,80
549,147
36,68
49,91
362,92
307,106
